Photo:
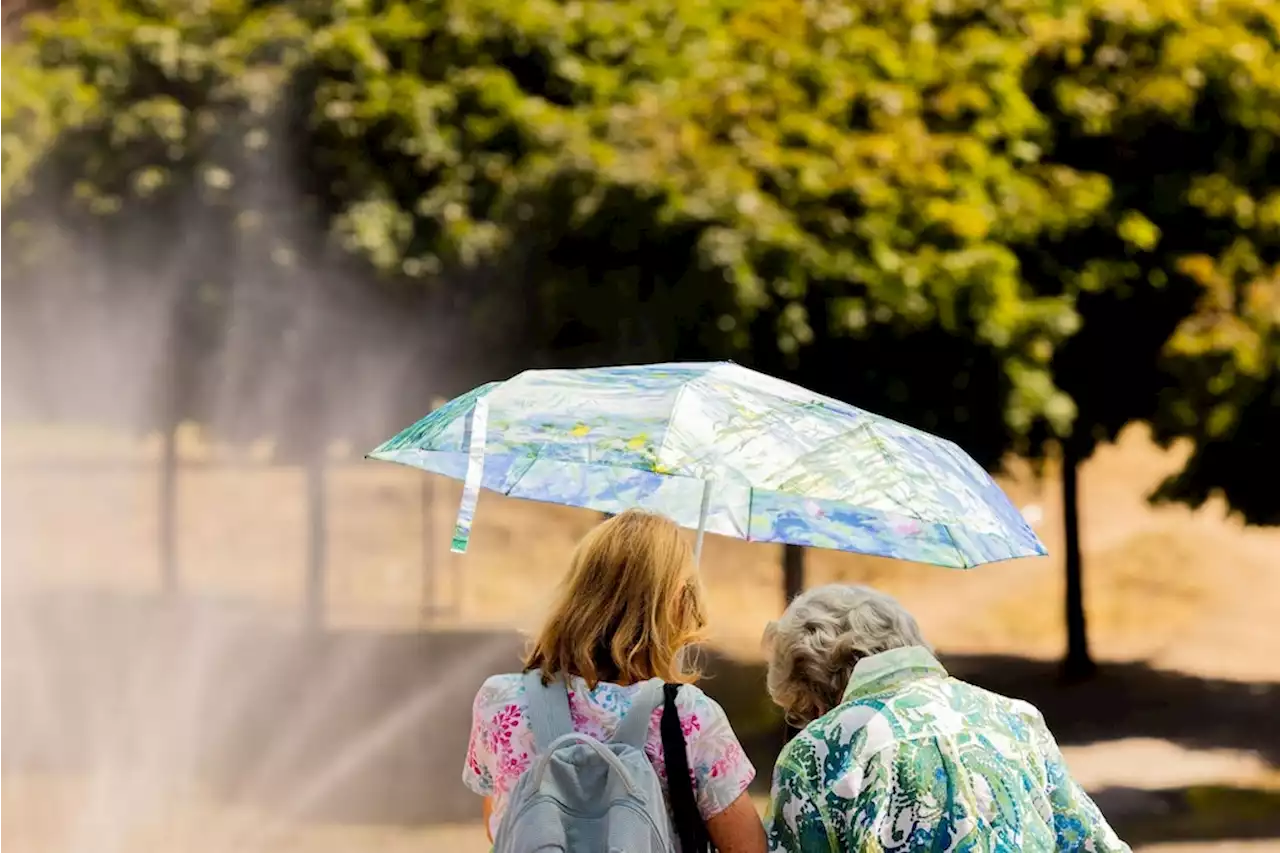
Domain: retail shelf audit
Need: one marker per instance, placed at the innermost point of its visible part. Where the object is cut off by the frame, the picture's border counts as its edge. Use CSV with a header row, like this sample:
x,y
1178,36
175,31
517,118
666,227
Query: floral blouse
x,y
914,760
502,744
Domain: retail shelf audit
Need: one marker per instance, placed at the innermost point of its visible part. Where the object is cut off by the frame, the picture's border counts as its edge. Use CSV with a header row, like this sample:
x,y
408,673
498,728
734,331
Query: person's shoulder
x,y
692,694
967,692
504,682
702,717
693,700
1027,713
801,755
858,728
502,689
1012,709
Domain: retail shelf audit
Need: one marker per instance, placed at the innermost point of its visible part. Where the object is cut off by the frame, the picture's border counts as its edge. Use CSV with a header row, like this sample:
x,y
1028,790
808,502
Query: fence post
x,y
317,541
432,606
174,399
166,522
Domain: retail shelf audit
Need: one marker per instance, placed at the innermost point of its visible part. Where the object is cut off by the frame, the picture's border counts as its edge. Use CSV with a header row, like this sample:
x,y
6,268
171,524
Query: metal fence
x,y
98,508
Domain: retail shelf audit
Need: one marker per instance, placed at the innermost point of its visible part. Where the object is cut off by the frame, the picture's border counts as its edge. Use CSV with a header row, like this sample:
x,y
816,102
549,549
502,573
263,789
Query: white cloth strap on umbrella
x,y
475,477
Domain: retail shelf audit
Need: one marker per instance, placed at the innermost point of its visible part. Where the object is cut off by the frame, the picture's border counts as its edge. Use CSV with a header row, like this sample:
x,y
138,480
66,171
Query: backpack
x,y
581,795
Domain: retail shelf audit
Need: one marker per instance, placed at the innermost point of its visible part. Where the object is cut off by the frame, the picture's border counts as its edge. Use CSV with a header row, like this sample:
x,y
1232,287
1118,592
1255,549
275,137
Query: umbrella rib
x,y
875,437
879,446
869,426
531,460
671,419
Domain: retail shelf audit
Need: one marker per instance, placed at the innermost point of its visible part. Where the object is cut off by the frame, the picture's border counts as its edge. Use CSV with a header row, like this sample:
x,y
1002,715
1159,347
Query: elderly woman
x,y
896,755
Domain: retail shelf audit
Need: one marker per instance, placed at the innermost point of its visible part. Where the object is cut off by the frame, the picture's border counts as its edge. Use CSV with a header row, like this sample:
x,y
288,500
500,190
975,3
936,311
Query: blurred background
x,y
247,240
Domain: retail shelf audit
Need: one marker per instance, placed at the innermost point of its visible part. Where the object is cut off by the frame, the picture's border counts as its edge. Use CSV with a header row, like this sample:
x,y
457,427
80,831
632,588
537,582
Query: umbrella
x,y
721,448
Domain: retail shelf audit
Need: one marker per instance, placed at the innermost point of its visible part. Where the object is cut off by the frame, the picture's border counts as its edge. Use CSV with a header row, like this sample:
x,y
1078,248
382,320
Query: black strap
x,y
684,805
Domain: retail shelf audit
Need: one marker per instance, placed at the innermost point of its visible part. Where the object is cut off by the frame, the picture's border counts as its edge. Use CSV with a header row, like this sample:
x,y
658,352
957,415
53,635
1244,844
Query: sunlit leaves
x,y
38,104
119,94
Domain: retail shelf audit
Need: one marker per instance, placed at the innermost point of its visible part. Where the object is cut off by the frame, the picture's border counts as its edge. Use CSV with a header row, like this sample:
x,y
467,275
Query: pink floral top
x,y
502,744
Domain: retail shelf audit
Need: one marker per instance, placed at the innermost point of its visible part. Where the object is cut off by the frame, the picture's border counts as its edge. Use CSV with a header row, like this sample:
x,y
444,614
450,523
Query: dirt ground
x,y
1182,605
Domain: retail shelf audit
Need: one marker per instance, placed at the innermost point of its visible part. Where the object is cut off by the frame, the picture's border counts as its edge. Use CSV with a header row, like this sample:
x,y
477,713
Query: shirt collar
x,y
888,670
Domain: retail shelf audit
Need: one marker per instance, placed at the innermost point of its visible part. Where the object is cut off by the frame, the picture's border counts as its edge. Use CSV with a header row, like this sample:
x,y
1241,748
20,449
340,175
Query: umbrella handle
x,y
702,521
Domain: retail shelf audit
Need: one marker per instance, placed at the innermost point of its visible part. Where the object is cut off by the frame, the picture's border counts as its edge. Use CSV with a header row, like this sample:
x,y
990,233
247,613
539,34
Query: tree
x,y
154,142
526,144
99,138
1175,105
39,103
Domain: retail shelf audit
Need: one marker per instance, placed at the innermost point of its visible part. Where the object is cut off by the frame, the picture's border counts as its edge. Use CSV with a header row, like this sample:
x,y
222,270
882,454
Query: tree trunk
x,y
317,540
792,572
792,585
1078,663
173,398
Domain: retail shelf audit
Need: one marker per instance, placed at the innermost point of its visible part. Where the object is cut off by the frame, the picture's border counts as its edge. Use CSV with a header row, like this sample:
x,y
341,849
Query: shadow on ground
x,y
370,727
1197,813
1134,700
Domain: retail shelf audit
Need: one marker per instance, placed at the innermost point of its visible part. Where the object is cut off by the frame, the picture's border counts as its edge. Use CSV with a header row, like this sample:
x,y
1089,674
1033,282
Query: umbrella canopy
x,y
719,447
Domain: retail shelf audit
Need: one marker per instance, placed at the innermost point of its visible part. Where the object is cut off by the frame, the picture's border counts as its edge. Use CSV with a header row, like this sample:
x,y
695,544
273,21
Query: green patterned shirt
x,y
916,760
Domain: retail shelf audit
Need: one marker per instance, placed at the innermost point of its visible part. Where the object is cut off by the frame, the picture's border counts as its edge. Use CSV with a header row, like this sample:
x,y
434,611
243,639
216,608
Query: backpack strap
x,y
684,802
634,728
549,716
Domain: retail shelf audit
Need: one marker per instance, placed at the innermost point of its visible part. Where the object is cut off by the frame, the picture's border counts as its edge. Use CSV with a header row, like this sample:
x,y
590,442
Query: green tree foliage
x,y
161,140
648,166
1178,106
38,104
1218,81
1159,118
529,138
1225,397
859,180
894,167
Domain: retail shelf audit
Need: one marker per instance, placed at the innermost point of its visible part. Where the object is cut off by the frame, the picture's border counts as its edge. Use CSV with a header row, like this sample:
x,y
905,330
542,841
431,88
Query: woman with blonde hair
x,y
615,641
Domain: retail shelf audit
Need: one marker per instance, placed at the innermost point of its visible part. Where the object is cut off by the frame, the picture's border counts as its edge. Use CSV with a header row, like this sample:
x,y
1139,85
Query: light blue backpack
x,y
581,795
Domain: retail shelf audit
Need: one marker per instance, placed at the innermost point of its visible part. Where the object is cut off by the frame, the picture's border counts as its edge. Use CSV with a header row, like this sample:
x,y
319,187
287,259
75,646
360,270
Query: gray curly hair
x,y
814,647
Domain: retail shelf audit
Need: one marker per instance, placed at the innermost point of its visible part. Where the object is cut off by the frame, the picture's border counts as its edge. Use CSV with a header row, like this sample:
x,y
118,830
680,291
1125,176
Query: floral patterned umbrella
x,y
718,447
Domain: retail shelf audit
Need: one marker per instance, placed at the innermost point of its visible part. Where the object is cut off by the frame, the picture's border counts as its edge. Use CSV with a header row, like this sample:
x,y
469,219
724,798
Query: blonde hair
x,y
824,632
629,606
